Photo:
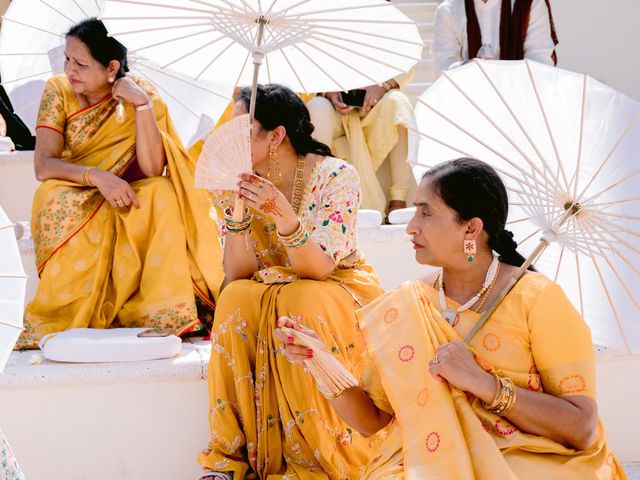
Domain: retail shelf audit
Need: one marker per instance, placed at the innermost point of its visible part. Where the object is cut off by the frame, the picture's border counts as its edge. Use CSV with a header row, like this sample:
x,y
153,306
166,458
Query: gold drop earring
x,y
274,175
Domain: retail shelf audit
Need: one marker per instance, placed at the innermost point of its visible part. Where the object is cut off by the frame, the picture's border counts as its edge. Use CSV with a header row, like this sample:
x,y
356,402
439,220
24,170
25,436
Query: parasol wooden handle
x,y
544,243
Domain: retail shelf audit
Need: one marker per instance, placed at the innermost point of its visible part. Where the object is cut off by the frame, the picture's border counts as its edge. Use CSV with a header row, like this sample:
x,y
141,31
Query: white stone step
x,y
419,11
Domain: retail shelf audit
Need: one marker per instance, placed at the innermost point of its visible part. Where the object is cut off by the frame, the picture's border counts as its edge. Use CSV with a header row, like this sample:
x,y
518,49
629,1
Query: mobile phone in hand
x,y
353,98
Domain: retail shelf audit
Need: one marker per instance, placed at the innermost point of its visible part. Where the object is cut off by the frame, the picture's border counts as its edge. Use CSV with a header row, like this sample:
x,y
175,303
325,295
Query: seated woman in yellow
x,y
519,402
117,243
294,253
367,136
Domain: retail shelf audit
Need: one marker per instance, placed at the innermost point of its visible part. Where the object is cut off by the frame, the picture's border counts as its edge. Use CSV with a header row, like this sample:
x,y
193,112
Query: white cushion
x,y
94,345
401,216
369,218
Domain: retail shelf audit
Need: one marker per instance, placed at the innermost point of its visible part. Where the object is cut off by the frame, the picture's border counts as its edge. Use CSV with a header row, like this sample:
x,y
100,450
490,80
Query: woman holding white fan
x,y
292,252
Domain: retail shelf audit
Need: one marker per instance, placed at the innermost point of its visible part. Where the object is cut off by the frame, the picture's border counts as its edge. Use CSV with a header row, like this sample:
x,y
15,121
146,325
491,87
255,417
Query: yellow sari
x,y
101,267
264,411
535,337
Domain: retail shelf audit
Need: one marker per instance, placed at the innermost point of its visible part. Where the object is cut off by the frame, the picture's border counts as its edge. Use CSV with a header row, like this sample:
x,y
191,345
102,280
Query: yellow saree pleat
x,y
281,423
444,432
102,267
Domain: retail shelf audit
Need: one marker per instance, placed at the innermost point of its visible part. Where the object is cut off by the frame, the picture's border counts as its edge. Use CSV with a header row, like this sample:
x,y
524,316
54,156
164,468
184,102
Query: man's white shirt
x,y
450,45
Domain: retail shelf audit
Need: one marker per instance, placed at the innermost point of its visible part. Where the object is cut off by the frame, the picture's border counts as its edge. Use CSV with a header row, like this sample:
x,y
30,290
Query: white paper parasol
x,y
31,51
568,149
309,45
13,283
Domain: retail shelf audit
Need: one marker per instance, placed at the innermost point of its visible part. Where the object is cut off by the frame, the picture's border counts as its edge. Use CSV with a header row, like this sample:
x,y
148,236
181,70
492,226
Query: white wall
x,y
601,38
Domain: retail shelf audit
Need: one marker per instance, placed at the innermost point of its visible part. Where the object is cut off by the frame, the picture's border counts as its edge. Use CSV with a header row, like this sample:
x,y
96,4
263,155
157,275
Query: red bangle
x,y
136,105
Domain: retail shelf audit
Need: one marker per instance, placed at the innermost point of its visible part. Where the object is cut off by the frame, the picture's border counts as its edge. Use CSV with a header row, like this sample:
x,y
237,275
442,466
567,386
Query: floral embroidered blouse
x,y
9,469
329,211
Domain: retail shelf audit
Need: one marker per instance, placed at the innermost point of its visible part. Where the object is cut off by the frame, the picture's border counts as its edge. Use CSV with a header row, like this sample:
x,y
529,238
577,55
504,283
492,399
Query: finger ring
x,y
435,360
118,202
375,100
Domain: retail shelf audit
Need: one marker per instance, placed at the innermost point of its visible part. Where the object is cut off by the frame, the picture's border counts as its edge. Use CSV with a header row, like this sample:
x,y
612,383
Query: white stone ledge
x,y
191,364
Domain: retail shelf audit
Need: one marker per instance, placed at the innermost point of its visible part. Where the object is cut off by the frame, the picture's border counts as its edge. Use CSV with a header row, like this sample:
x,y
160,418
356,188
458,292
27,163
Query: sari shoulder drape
x,y
447,433
94,138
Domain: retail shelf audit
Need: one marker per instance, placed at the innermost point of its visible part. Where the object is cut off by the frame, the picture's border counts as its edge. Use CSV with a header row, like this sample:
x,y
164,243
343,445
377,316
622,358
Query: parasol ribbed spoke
x,y
578,273
524,131
169,94
347,64
27,77
162,29
244,65
549,129
379,36
189,53
196,85
342,10
596,231
616,227
604,205
32,27
612,234
597,213
618,276
472,102
69,19
529,237
539,186
364,44
600,168
560,257
609,299
611,187
174,39
295,73
576,175
319,67
213,60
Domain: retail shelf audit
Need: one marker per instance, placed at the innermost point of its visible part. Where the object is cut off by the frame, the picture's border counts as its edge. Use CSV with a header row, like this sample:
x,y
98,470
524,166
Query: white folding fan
x,y
331,376
225,155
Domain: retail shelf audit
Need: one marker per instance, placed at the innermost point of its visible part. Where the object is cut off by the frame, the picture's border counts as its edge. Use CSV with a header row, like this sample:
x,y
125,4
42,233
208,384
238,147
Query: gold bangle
x,y
298,238
86,176
497,396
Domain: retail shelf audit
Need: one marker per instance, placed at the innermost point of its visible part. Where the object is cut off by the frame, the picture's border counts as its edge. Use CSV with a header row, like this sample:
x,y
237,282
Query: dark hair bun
x,y
505,242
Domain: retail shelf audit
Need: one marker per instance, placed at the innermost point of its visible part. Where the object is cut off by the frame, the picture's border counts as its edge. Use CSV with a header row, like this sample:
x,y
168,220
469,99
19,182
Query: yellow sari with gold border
x,y
101,267
266,414
535,337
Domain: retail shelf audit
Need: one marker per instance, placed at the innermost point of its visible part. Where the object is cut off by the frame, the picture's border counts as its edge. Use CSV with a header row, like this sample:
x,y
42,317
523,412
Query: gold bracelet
x,y
497,396
505,398
240,227
298,238
86,178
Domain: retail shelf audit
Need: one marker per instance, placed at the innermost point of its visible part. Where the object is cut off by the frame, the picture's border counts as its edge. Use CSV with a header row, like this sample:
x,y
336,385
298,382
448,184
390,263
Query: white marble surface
x,y
190,364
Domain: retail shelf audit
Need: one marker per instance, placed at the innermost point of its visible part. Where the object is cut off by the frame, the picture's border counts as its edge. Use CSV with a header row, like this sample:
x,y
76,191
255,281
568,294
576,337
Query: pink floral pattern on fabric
x,y
406,353
329,208
433,442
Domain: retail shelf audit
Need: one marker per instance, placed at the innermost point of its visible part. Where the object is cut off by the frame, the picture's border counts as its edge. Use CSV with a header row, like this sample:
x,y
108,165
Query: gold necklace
x,y
486,294
298,185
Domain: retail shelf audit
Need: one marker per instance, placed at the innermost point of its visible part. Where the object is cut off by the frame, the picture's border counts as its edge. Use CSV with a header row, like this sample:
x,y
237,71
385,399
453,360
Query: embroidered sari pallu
x,y
535,337
103,267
